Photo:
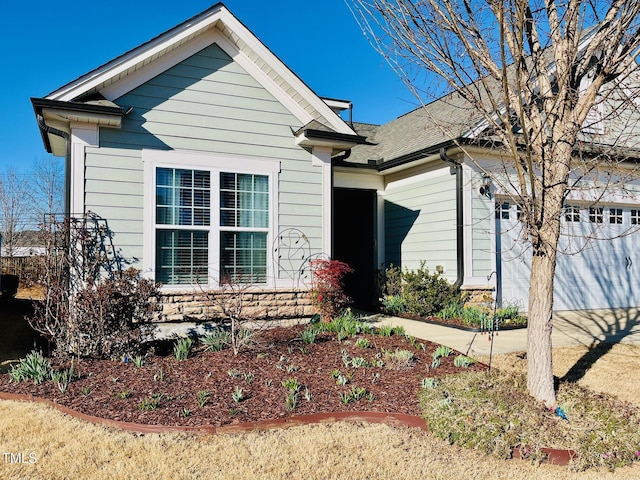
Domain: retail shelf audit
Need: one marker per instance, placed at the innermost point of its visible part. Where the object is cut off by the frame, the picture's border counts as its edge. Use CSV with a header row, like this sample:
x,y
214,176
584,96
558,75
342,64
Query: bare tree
x,y
538,79
46,179
14,208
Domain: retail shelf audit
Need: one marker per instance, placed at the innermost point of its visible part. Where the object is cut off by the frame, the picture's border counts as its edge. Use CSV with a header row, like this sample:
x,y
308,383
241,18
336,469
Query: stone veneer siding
x,y
478,295
256,304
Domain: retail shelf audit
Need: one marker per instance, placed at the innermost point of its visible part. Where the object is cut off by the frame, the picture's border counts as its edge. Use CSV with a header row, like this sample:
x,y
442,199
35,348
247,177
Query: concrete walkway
x,y
569,328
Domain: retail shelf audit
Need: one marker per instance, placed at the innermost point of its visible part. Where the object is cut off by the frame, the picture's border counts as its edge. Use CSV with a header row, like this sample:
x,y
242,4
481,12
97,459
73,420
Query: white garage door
x,y
598,258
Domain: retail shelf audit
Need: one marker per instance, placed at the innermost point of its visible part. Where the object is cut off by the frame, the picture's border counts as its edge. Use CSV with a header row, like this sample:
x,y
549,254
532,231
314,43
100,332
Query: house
x,y
208,158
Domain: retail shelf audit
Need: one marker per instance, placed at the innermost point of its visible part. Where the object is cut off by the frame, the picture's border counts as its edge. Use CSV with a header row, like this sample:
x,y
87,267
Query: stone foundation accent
x,y
478,295
259,304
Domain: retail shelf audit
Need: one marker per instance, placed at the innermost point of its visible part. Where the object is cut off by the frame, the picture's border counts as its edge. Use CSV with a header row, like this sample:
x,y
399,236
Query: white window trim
x,y
215,163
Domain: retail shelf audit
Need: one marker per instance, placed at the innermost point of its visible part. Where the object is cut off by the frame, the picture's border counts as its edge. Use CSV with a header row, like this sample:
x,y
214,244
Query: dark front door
x,y
354,241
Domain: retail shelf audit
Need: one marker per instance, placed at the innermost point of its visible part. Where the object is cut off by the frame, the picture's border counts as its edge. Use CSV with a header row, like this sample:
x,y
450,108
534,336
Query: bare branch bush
x,y
90,308
231,305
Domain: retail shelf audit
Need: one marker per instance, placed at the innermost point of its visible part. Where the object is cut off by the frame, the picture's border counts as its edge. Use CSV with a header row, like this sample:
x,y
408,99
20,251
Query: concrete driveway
x,y
584,327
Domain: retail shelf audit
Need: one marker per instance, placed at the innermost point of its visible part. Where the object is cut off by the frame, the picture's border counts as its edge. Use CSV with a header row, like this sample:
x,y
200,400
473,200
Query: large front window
x,y
197,210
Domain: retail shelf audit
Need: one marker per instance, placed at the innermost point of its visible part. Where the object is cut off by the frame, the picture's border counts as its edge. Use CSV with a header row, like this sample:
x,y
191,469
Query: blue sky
x,y
47,44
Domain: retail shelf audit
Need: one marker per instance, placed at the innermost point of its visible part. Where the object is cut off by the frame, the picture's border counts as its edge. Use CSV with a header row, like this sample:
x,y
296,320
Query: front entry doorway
x,y
354,227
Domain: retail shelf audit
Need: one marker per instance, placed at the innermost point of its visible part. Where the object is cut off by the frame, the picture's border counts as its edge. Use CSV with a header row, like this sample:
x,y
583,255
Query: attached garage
x,y
598,259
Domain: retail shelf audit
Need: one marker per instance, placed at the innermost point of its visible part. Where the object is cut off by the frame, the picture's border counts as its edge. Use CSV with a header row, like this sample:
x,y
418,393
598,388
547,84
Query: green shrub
x,y
416,291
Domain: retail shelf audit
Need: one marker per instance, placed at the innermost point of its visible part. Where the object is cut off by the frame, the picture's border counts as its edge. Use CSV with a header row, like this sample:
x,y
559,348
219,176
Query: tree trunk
x,y
539,353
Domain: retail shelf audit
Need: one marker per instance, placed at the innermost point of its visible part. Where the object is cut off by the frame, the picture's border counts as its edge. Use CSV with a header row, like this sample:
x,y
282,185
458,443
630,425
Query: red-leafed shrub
x,y
328,294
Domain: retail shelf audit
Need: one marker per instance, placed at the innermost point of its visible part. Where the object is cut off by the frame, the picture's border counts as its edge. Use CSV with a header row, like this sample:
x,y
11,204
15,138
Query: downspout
x,y
456,169
67,174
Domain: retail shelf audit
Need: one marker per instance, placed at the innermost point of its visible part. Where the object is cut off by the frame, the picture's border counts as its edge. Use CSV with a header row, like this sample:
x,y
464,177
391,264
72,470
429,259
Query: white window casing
x,y
215,164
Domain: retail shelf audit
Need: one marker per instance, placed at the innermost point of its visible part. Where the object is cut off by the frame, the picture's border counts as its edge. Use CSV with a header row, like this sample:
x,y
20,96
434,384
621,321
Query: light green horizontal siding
x,y
420,224
206,104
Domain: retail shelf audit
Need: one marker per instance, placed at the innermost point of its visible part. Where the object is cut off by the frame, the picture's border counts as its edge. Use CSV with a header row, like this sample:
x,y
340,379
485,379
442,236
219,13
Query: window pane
x,y
243,256
244,200
184,190
615,216
595,214
181,257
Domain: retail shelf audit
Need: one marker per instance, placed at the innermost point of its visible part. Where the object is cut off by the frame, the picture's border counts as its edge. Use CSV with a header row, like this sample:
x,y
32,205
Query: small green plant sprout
x,y
85,392
428,382
33,367
126,393
357,393
362,343
385,330
345,358
159,376
436,362
307,394
462,361
202,398
398,330
442,351
345,397
237,395
291,400
233,373
138,361
217,340
357,362
291,368
291,384
309,335
370,396
150,403
182,348
399,358
62,378
248,377
185,412
375,377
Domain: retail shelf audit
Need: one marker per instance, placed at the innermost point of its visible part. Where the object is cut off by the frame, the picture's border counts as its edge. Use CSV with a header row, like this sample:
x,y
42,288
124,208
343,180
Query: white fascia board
x,y
337,104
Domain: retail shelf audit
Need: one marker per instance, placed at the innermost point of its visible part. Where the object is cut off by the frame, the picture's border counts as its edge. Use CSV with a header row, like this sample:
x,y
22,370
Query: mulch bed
x,y
116,390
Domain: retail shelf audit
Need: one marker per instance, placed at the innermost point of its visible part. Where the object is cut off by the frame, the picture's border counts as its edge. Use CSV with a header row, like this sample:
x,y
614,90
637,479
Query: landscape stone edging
x,y
558,457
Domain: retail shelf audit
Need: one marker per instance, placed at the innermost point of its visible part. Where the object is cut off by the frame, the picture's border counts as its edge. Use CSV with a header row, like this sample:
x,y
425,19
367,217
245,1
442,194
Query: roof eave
x,y
54,119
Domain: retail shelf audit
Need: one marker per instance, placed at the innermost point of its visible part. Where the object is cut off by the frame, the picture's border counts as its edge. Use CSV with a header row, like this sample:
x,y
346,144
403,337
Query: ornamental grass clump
x,y
33,367
495,414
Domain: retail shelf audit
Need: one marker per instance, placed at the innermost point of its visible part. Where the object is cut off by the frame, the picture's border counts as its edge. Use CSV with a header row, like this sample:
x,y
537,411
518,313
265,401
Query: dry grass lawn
x,y
64,447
